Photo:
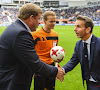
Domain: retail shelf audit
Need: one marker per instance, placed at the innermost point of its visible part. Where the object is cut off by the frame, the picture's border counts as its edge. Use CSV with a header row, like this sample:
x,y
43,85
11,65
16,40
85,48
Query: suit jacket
x,y
18,59
94,63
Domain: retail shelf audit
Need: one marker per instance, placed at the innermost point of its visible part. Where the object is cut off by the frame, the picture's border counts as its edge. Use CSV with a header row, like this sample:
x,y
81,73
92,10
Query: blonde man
x,y
18,58
45,38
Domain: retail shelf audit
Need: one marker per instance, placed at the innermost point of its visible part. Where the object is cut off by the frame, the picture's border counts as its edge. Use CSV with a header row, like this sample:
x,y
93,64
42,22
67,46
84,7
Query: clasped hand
x,y
61,73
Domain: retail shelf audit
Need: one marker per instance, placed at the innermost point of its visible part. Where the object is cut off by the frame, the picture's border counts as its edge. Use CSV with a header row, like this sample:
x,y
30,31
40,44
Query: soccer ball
x,y
57,53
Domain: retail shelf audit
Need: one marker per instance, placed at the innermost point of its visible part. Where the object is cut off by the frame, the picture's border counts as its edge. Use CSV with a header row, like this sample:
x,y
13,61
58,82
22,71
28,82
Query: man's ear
x,y
31,18
88,30
44,21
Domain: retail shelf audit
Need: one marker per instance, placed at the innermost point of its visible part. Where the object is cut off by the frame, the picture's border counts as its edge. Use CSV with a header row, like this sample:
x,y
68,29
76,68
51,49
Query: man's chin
x,y
52,27
33,30
78,36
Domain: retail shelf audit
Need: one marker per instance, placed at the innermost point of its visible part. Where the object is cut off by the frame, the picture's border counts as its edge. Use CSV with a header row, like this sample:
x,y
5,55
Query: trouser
x,y
93,85
41,83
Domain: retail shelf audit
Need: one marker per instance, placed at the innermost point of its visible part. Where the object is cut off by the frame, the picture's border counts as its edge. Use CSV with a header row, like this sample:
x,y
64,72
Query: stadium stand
x,y
65,15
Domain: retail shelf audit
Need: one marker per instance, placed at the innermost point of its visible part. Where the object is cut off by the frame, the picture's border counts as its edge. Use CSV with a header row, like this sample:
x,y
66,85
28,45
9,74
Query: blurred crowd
x,y
8,13
70,13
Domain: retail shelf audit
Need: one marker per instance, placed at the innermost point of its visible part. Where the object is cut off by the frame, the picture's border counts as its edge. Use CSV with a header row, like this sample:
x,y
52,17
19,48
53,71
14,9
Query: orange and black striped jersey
x,y
43,43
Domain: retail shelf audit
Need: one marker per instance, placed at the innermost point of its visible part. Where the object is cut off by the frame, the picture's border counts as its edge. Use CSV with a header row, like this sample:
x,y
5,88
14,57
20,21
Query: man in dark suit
x,y
18,58
90,62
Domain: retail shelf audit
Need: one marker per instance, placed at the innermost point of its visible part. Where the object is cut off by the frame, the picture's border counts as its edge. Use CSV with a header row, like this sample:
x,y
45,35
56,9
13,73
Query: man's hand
x,y
61,73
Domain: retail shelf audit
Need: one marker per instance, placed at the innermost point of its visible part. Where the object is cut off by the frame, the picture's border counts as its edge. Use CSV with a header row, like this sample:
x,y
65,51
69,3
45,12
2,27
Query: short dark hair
x,y
88,21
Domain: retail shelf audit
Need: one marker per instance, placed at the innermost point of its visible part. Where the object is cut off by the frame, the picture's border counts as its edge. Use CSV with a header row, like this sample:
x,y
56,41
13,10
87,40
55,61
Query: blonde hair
x,y
29,9
48,13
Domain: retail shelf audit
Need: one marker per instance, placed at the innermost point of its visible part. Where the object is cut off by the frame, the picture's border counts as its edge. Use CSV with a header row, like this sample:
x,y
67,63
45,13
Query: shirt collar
x,y
25,25
89,39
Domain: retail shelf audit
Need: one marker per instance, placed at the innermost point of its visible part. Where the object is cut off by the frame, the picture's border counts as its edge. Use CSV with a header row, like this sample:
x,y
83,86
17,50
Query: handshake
x,y
61,73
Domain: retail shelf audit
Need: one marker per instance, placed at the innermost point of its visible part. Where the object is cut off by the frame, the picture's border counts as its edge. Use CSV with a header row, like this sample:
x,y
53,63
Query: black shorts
x,y
41,83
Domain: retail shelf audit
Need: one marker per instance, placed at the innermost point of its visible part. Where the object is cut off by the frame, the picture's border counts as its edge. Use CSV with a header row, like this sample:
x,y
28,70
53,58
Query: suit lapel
x,y
92,48
80,51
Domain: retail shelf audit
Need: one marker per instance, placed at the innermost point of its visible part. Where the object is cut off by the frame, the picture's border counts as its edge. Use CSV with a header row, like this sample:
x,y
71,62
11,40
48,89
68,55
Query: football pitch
x,y
68,39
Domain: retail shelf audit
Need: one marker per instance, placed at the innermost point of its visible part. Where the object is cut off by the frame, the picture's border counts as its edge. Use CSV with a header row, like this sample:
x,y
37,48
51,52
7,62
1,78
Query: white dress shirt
x,y
88,41
25,25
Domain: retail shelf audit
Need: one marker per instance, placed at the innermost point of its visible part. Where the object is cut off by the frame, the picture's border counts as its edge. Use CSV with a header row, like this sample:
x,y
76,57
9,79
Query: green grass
x,y
68,39
2,29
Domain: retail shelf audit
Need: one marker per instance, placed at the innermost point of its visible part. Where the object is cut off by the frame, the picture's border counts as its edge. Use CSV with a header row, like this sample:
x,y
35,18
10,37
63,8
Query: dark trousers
x,y
41,83
93,85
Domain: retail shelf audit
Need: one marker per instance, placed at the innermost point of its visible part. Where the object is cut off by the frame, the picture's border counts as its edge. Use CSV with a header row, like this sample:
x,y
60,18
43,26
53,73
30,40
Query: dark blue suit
x,y
18,59
94,63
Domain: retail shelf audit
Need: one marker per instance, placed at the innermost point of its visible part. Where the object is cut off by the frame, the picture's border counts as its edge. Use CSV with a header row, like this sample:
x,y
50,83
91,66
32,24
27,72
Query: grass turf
x,y
68,39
